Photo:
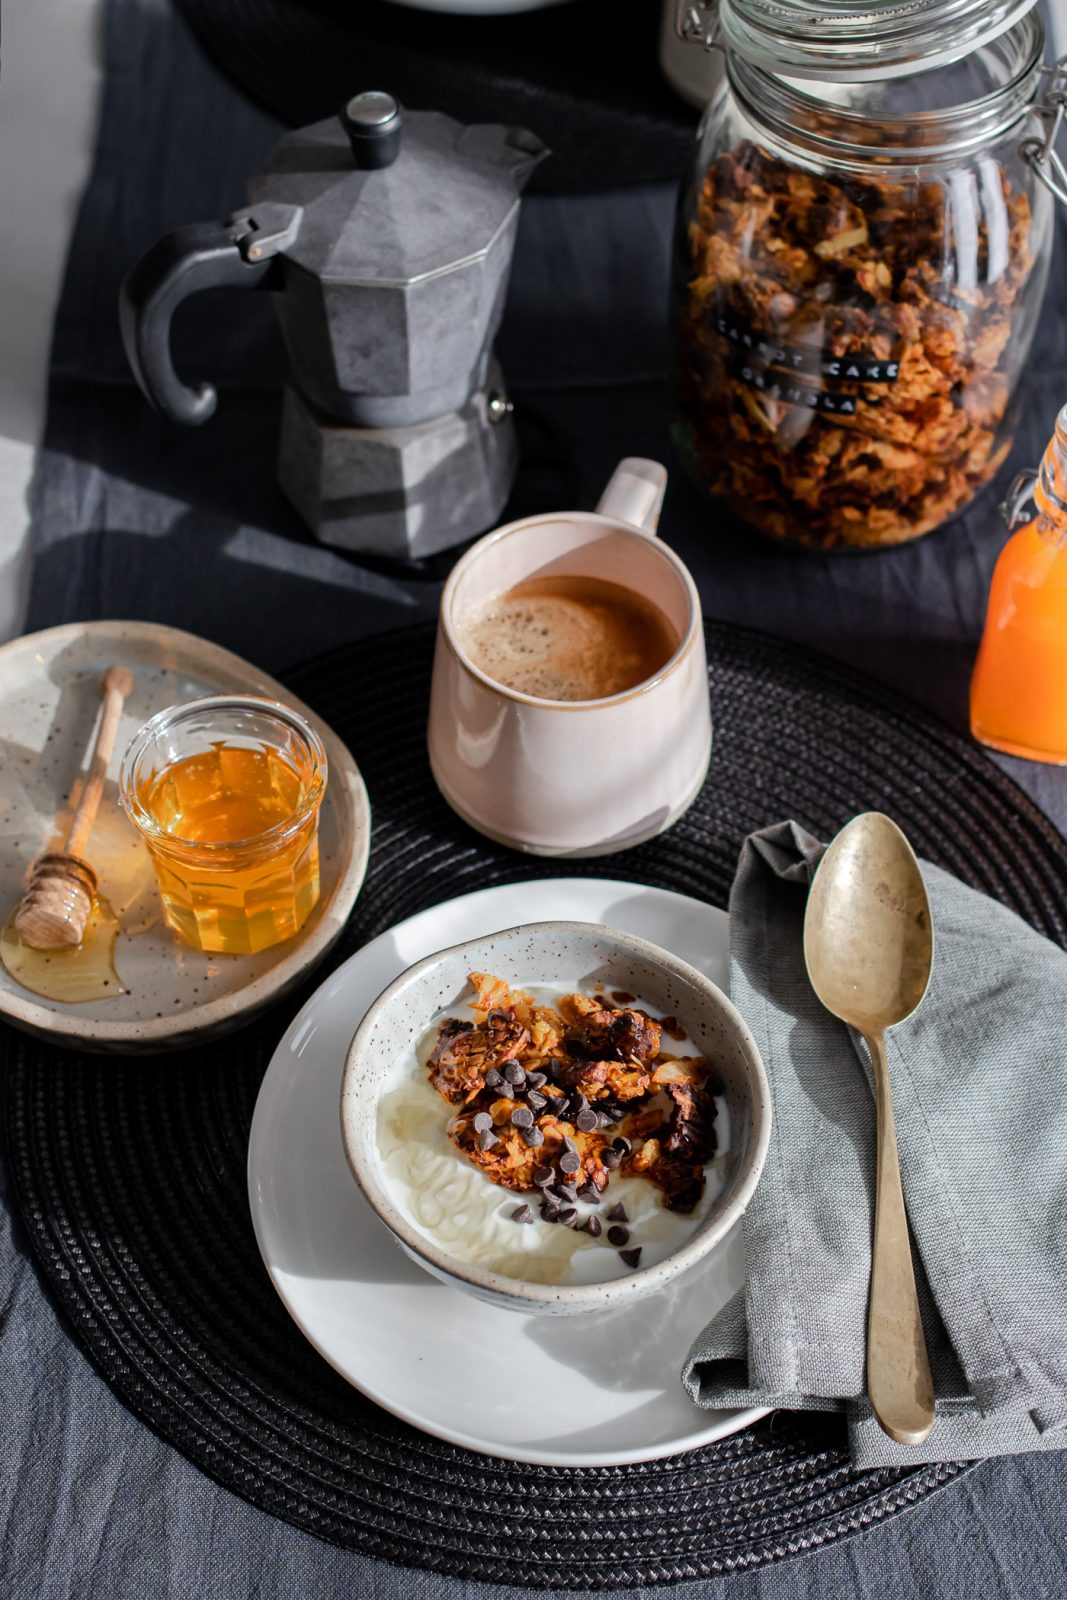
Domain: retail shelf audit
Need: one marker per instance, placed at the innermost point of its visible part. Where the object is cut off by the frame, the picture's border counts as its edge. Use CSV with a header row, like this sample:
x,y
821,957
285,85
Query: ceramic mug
x,y
581,777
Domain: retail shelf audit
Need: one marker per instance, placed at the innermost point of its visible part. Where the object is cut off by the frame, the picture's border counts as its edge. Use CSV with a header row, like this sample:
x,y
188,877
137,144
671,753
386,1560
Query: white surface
x,y
592,1391
692,72
1055,14
48,113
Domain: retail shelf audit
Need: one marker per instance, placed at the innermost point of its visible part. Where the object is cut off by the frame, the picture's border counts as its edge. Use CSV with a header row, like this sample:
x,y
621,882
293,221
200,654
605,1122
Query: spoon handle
x,y
899,1384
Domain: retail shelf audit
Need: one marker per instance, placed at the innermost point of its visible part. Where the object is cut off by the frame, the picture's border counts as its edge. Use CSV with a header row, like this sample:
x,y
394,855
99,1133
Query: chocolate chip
x,y
534,1137
590,1193
542,1175
580,1102
493,1078
535,1101
570,1161
616,1113
623,1146
603,1120
586,1121
482,1121
618,1213
550,1211
522,1214
567,1190
514,1073
535,1080
610,1159
570,1217
592,1227
522,1117
618,1235
631,1257
487,1139
569,1146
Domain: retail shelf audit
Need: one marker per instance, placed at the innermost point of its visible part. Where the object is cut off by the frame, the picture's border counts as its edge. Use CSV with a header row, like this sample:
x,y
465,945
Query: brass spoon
x,y
868,945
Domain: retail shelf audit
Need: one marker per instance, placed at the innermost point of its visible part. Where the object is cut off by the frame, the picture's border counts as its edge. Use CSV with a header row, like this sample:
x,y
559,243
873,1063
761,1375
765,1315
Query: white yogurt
x,y
459,1209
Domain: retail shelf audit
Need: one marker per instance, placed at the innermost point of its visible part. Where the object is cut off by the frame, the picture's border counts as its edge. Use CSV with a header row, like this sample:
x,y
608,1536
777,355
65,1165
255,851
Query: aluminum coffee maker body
x,y
386,242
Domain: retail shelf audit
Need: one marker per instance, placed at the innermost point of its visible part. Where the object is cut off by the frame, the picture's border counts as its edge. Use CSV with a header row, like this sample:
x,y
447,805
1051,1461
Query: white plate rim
x,y
726,1422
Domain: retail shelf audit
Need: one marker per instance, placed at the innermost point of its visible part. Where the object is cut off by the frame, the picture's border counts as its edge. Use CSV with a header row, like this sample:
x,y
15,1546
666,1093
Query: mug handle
x,y
634,493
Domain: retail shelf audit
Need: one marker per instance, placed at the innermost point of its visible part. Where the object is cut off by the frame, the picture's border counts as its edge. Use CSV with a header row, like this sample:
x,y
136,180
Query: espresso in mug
x,y
567,637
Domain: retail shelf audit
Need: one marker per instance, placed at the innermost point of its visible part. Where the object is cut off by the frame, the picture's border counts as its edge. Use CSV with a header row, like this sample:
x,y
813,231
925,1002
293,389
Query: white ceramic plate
x,y
49,699
591,1391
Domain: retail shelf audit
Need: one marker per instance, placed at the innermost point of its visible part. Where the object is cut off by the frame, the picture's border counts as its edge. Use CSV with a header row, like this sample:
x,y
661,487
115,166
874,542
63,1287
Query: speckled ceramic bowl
x,y
569,957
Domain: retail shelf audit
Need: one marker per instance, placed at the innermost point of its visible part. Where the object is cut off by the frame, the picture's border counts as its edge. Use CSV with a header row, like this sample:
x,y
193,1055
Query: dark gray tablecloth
x,y
134,518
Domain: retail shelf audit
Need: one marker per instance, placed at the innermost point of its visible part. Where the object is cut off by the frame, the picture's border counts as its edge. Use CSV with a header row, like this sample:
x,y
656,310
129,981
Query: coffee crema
x,y
567,637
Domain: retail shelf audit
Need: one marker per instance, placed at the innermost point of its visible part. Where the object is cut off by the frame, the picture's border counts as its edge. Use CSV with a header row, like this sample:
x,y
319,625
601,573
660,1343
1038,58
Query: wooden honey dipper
x,y
55,908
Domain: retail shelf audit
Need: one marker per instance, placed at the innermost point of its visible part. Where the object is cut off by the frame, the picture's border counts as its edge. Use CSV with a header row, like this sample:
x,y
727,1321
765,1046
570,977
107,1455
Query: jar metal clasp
x,y
1015,507
697,22
1040,152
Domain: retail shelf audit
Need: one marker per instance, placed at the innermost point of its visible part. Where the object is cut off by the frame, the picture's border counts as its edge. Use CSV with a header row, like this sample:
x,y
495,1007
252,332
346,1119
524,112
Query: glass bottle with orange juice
x,y
1019,686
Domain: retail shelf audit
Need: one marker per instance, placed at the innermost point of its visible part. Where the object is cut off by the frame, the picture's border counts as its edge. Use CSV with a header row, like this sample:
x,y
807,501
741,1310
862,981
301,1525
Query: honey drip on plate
x,y
85,972
123,866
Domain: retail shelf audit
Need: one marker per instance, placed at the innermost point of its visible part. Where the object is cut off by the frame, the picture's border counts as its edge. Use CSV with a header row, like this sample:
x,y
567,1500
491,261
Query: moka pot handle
x,y
241,253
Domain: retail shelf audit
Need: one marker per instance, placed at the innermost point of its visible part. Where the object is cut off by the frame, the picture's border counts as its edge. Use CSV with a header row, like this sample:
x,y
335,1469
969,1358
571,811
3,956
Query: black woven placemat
x,y
131,1175
593,94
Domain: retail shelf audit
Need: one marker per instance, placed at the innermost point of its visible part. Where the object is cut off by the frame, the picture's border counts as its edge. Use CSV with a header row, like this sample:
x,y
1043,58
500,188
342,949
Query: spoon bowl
x,y
868,938
869,946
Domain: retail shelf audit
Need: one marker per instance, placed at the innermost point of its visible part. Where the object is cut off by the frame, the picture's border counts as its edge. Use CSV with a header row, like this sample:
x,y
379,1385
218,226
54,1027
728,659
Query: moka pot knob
x,y
374,123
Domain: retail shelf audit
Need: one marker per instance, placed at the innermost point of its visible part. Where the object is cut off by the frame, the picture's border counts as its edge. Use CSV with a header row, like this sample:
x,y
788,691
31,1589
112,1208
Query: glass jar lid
x,y
853,40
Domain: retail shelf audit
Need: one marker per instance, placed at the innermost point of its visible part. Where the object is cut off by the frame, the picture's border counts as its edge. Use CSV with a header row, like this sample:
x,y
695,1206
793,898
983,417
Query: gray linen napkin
x,y
979,1078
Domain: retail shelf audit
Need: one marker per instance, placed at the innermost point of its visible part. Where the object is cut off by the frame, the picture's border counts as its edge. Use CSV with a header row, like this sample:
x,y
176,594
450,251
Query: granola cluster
x,y
840,382
556,1099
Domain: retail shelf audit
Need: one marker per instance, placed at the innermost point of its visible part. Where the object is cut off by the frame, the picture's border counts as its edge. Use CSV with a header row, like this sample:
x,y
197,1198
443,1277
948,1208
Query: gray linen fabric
x,y
979,1077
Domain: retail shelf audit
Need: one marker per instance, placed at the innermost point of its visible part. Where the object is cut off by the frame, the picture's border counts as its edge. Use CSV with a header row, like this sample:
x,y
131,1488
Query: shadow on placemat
x,y
131,1174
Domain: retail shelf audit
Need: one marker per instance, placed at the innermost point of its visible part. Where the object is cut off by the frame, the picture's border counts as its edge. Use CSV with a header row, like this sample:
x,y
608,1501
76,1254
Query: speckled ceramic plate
x,y
49,697
591,1391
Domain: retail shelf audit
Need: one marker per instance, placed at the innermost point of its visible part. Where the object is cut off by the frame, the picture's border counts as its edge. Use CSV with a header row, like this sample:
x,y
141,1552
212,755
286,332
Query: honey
x,y
226,795
82,972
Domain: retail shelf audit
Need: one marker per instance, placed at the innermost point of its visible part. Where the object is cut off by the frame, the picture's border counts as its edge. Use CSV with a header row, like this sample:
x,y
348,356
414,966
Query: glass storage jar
x,y
862,247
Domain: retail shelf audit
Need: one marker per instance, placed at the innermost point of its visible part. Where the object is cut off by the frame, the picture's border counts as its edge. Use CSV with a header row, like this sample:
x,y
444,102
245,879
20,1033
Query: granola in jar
x,y
855,295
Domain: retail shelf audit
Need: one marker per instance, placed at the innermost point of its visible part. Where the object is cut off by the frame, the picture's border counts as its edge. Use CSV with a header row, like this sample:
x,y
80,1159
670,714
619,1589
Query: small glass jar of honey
x,y
226,792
